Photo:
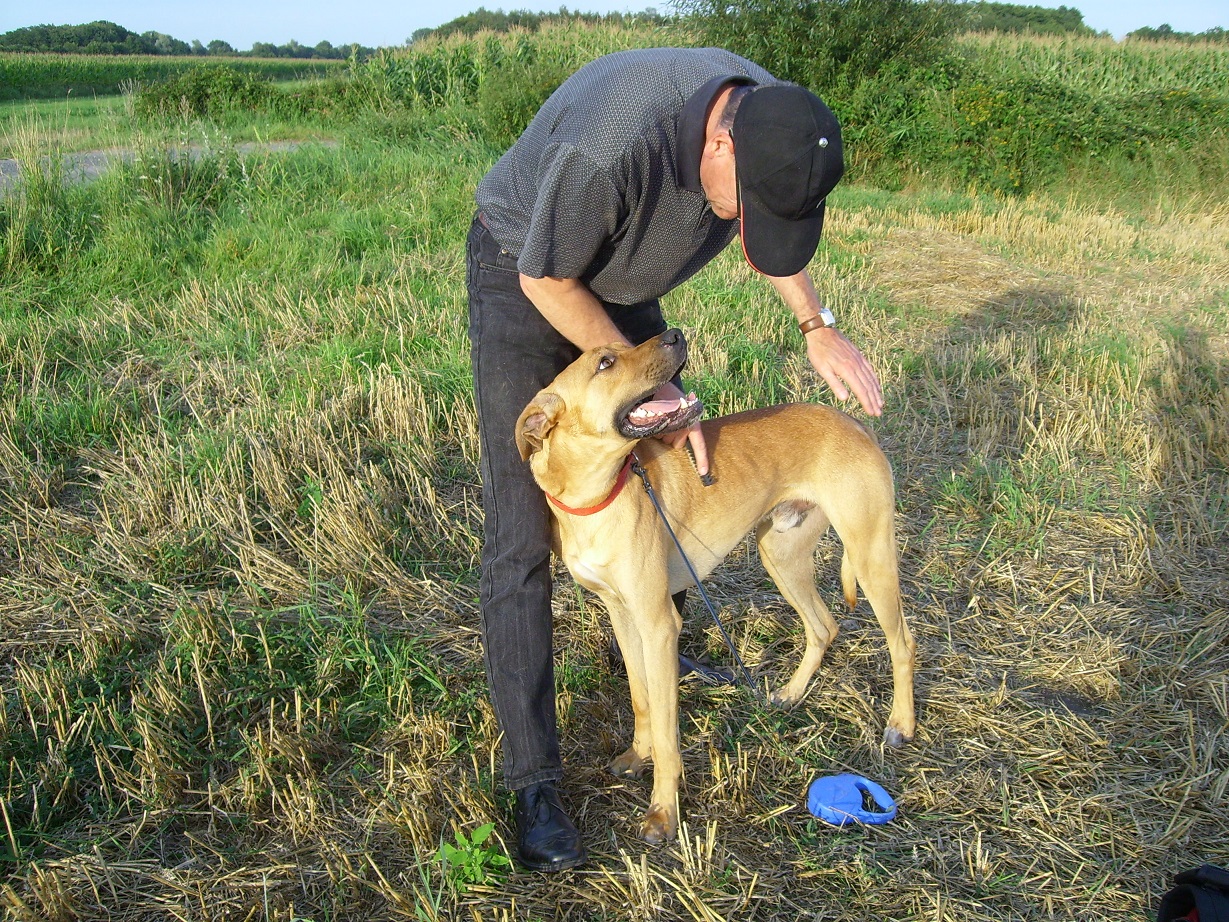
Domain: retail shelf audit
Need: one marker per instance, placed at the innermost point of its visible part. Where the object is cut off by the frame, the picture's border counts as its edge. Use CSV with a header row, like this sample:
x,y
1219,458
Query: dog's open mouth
x,y
653,417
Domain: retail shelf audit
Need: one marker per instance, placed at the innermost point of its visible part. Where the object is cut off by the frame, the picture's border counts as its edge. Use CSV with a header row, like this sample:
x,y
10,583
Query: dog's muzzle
x,y
654,417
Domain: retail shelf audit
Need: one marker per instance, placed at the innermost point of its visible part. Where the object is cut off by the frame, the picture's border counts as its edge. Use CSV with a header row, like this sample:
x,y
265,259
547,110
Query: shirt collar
x,y
692,125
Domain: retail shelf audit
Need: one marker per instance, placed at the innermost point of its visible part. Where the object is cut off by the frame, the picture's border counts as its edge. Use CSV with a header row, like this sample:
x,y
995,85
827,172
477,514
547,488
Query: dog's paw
x,y
629,765
896,738
784,698
659,826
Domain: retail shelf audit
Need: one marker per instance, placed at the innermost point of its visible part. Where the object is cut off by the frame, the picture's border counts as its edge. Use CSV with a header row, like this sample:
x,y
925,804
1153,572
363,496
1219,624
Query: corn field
x,y
1102,65
433,73
48,75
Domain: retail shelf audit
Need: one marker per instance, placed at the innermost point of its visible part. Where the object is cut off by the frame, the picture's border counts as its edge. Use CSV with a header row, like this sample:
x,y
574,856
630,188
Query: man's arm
x,y
571,308
837,360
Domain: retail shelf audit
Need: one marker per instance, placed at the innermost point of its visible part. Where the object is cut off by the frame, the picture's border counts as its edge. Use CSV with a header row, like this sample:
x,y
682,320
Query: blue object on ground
x,y
838,799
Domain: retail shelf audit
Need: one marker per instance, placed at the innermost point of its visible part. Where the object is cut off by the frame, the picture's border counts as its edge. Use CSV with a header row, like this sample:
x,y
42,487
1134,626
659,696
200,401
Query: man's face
x,y
718,178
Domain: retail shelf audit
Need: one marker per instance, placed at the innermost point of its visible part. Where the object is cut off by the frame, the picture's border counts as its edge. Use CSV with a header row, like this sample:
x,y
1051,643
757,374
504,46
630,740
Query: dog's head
x,y
599,406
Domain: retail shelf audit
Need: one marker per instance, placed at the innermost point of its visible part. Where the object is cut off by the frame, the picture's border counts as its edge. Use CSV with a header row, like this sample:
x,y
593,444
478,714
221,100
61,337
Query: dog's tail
x,y
849,582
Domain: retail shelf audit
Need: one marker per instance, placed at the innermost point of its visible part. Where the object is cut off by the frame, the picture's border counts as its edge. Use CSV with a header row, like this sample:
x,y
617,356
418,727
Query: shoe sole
x,y
552,866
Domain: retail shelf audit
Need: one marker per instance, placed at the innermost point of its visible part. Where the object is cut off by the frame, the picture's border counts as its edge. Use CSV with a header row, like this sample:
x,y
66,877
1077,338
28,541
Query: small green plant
x,y
472,859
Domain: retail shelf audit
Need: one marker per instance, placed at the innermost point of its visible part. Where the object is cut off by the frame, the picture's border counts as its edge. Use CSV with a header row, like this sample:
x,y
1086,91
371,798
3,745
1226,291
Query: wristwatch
x,y
823,319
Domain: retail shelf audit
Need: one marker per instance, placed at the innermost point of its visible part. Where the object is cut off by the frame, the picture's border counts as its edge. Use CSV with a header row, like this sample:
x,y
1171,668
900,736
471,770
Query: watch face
x,y
828,318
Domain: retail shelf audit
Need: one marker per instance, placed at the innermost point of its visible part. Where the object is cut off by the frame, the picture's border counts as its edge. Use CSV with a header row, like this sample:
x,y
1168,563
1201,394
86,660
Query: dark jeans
x,y
515,353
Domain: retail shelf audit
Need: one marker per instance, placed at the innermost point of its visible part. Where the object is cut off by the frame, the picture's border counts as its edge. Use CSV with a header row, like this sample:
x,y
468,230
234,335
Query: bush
x,y
1014,132
508,101
208,92
892,123
336,97
824,44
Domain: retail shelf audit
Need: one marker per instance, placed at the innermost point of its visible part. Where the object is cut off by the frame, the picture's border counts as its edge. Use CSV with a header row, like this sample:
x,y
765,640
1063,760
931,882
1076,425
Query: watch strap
x,y
823,319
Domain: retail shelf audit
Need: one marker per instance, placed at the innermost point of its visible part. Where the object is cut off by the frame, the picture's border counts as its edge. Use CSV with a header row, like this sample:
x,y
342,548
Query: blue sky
x,y
391,22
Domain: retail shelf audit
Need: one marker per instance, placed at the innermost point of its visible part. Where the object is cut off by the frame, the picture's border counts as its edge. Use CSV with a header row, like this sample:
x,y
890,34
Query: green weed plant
x,y
473,859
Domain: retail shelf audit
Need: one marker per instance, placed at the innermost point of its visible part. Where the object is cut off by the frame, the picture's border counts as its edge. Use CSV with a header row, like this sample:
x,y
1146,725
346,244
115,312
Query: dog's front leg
x,y
632,762
648,631
661,660
648,628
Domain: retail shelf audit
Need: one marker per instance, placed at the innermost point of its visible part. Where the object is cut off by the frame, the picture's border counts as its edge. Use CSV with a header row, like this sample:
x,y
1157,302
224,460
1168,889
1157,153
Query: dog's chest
x,y
591,570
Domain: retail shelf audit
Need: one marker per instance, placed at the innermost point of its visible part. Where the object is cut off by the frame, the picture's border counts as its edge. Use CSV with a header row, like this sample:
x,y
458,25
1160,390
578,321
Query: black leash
x,y
638,469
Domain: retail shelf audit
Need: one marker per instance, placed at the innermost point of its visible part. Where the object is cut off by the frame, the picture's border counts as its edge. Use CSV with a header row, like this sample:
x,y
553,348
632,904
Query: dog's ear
x,y
536,422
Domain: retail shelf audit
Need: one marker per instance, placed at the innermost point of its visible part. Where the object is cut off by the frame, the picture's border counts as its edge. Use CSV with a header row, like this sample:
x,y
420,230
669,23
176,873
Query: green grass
x,y
240,664
81,119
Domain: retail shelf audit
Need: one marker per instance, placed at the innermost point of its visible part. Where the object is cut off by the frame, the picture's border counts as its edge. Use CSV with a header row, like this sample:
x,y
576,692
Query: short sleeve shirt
x,y
603,186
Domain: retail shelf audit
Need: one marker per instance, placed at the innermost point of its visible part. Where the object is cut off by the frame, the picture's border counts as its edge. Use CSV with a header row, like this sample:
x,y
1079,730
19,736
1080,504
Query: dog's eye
x,y
605,362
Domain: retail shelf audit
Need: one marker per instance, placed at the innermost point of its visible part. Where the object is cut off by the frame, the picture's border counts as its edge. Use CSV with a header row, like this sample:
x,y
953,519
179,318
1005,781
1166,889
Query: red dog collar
x,y
590,510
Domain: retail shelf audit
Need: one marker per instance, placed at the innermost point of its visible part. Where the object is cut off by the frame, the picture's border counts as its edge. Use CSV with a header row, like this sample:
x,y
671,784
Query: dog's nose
x,y
673,337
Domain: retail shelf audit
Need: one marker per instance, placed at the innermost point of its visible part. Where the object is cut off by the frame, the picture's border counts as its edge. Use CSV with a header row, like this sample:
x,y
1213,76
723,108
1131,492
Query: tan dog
x,y
788,472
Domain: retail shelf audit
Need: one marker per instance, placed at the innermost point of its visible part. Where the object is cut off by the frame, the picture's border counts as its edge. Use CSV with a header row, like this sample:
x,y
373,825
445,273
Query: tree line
x,y
970,16
104,37
974,16
1166,33
1010,17
483,19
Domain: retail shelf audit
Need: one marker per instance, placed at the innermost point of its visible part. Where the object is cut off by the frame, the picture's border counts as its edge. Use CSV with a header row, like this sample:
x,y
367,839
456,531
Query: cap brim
x,y
777,246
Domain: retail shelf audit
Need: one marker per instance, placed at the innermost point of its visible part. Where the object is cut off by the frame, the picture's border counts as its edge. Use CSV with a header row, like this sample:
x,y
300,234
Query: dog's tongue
x,y
653,409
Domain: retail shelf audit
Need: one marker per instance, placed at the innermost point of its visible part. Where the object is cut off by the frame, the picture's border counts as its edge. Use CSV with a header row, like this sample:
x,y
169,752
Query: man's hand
x,y
693,435
845,368
837,360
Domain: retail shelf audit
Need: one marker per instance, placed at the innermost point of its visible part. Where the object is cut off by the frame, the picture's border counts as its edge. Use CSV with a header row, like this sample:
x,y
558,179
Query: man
x,y
638,171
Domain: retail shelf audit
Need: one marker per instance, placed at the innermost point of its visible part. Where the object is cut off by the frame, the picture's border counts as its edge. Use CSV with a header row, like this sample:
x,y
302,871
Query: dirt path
x,y
86,166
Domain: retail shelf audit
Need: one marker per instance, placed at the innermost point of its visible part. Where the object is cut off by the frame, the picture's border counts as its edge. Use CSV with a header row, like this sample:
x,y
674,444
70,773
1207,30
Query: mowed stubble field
x,y
238,553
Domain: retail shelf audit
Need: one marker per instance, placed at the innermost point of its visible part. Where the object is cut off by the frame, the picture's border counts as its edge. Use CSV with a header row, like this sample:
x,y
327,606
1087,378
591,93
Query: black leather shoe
x,y
546,840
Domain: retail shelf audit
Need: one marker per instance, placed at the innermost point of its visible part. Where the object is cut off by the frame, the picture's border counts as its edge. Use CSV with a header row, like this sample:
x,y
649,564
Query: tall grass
x,y
504,77
435,72
43,220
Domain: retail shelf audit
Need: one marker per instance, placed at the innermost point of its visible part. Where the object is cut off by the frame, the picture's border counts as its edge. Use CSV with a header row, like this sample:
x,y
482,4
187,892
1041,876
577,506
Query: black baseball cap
x,y
788,157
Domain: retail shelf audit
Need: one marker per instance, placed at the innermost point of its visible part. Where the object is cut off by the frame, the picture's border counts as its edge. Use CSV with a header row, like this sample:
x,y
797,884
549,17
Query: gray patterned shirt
x,y
604,185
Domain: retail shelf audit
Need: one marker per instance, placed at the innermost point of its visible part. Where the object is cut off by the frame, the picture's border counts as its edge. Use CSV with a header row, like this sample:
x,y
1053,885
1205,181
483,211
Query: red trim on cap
x,y
742,228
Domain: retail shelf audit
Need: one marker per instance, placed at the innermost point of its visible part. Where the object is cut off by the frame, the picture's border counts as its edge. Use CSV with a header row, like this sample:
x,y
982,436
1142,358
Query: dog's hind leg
x,y
787,540
877,574
870,551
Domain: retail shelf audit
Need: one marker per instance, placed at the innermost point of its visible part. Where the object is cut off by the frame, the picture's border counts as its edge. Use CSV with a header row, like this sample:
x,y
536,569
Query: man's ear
x,y
536,422
720,144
